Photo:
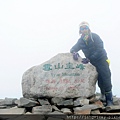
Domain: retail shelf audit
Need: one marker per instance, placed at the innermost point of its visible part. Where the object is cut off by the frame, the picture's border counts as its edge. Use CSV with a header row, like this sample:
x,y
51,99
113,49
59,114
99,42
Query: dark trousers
x,y
104,75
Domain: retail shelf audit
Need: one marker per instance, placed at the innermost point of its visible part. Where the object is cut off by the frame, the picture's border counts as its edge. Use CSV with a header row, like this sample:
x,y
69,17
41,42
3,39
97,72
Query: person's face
x,y
84,29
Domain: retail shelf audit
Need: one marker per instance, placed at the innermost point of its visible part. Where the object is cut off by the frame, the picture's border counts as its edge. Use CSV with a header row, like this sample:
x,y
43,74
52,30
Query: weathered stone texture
x,y
61,76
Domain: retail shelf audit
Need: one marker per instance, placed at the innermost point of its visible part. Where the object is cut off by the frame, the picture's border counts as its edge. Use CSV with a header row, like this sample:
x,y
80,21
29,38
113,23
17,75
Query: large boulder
x,y
61,76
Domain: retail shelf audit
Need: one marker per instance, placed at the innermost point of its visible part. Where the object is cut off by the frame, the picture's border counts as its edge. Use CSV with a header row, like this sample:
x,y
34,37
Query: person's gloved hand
x,y
85,60
75,55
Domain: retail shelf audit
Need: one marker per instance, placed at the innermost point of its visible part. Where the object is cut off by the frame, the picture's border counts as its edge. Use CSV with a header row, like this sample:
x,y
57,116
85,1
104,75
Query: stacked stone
x,y
59,108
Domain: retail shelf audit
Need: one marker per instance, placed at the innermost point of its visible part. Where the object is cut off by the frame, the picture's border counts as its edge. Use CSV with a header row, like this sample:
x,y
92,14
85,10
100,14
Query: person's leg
x,y
109,98
105,80
100,85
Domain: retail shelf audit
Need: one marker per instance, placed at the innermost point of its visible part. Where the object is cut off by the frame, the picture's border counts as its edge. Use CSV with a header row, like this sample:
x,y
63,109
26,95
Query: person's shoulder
x,y
94,34
96,37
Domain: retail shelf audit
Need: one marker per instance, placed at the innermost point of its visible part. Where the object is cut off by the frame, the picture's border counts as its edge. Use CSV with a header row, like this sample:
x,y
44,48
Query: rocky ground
x,y
56,108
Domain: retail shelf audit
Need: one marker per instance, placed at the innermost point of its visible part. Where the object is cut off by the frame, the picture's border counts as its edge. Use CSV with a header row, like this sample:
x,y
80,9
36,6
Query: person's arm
x,y
76,47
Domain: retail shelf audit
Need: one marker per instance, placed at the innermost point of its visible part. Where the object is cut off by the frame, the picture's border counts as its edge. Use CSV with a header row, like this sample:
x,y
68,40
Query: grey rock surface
x,y
61,76
43,102
81,102
13,110
42,109
24,102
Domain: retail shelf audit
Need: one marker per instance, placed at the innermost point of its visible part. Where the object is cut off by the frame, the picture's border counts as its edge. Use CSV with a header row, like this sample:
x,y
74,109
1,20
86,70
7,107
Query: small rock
x,y
43,102
66,102
116,101
13,110
2,102
85,108
83,112
66,111
10,101
17,102
56,100
55,108
93,98
112,108
97,111
81,102
42,109
99,103
2,107
24,102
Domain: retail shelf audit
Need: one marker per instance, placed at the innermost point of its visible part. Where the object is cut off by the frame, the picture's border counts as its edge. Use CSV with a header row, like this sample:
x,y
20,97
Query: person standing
x,y
92,46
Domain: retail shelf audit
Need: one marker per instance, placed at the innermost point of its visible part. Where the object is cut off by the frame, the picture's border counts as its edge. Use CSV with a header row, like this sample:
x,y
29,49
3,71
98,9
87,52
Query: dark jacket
x,y
93,49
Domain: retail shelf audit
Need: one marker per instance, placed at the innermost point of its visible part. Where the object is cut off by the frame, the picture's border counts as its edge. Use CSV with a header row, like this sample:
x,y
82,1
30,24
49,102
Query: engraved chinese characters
x,y
48,67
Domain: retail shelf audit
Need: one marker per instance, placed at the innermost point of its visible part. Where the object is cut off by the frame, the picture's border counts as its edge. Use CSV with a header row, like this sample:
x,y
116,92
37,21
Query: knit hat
x,y
84,23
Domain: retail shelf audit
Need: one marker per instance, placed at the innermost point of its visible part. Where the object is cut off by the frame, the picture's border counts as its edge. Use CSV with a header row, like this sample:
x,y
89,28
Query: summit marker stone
x,y
61,77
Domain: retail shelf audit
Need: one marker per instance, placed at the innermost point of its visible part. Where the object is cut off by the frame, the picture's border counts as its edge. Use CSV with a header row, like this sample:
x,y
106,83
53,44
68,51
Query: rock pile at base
x,y
56,108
